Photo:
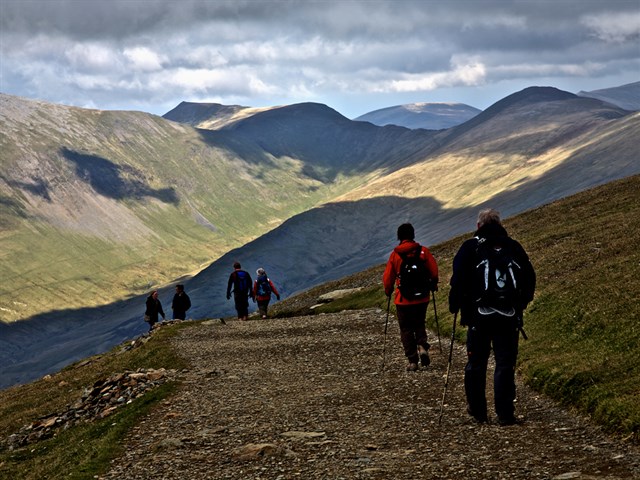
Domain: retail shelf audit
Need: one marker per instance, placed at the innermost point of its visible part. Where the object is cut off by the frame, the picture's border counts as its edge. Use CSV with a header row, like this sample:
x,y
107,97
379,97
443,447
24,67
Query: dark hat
x,y
405,232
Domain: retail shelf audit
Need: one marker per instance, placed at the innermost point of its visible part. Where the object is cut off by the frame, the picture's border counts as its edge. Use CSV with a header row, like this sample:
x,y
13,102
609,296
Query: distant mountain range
x,y
431,116
625,96
103,206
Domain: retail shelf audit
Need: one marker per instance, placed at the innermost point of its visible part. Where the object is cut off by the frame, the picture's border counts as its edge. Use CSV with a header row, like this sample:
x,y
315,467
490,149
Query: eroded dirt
x,y
307,398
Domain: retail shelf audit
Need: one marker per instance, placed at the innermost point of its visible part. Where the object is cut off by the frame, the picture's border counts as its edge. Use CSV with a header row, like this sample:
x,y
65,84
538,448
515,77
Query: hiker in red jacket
x,y
411,303
262,288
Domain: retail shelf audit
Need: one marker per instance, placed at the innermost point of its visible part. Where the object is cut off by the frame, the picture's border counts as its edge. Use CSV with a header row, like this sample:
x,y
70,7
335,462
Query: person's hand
x,y
228,296
278,297
454,309
434,286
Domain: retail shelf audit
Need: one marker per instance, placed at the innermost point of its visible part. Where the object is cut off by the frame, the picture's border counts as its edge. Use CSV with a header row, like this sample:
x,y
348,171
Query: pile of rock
x,y
96,402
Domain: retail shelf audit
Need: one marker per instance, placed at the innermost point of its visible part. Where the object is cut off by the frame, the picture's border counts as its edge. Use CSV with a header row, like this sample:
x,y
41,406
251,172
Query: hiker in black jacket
x,y
181,303
491,302
154,308
242,290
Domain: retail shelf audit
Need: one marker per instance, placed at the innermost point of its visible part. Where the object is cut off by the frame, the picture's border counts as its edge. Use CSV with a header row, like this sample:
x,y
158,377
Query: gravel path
x,y
306,398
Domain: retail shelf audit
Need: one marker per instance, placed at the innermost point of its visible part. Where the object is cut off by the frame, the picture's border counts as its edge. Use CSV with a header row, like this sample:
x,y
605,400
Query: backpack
x,y
497,276
242,282
414,278
263,288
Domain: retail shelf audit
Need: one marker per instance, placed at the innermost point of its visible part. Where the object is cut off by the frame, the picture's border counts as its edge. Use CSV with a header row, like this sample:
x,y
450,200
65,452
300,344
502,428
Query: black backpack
x,y
263,288
414,277
242,283
497,276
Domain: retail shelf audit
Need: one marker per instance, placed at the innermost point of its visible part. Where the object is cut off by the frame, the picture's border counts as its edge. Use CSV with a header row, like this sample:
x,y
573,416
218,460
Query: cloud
x,y
91,57
150,54
468,72
615,27
143,59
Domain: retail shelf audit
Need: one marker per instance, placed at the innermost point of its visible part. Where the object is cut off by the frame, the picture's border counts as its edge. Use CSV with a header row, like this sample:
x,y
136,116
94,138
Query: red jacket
x,y
264,297
390,276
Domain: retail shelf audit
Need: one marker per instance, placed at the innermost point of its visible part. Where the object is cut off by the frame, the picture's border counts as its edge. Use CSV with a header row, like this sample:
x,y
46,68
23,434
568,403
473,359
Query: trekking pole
x,y
435,312
446,380
386,324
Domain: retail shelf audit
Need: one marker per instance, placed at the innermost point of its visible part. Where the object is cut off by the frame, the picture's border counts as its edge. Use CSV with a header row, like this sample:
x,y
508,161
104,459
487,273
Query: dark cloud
x,y
151,54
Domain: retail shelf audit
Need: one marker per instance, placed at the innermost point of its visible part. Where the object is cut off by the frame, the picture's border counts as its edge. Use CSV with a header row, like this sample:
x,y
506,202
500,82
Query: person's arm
x,y
432,268
273,289
389,275
229,284
458,293
160,309
251,293
528,276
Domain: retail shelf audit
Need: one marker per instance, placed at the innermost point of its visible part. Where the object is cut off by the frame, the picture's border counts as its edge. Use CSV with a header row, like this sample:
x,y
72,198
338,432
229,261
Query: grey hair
x,y
488,216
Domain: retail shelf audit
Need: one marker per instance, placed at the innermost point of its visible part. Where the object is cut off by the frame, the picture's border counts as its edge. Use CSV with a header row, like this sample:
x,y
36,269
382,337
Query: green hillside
x,y
99,206
582,326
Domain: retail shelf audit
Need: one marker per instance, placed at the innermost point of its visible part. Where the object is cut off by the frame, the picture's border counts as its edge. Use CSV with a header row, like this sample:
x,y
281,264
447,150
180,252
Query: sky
x,y
355,56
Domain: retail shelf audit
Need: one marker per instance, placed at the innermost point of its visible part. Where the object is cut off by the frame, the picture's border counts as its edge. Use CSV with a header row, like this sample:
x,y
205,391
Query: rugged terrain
x,y
309,397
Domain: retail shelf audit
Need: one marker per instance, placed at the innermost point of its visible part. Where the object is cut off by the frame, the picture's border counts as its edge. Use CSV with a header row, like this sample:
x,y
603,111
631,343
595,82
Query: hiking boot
x,y
412,367
478,418
424,356
508,420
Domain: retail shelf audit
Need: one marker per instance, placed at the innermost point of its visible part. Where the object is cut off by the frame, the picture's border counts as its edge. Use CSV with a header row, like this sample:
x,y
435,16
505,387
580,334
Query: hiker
x,y
262,288
491,304
241,283
411,306
181,303
154,308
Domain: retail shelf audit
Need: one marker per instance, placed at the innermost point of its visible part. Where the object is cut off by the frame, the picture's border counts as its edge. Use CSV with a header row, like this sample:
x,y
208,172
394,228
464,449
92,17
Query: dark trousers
x,y
411,319
263,306
179,315
501,333
242,305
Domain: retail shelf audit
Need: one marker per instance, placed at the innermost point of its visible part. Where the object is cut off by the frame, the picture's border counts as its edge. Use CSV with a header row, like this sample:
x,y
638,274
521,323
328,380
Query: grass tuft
x,y
84,450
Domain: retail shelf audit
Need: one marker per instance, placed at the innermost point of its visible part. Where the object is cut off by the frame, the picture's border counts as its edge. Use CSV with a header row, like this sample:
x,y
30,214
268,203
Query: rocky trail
x,y
306,398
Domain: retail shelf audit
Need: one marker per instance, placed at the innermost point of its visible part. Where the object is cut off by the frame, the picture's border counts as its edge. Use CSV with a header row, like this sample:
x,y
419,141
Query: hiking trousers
x,y
263,306
242,305
411,319
501,333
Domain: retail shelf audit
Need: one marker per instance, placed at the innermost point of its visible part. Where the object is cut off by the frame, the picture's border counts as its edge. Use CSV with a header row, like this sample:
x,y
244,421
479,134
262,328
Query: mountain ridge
x,y
426,115
513,161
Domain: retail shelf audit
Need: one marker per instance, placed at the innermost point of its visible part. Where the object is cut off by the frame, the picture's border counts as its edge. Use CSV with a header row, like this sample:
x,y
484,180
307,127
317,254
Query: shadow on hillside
x,y
323,244
326,148
115,181
39,188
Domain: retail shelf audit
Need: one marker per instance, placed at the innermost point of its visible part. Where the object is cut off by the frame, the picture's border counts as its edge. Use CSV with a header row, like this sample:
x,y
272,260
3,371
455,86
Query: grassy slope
x,y
583,324
582,348
57,256
85,450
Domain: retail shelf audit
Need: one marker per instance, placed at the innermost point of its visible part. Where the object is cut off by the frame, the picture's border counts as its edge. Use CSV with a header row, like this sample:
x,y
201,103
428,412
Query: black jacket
x,y
154,307
465,261
181,303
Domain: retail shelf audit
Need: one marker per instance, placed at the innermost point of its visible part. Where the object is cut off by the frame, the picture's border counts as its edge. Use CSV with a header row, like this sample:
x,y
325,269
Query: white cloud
x,y
265,52
467,72
92,57
143,59
615,27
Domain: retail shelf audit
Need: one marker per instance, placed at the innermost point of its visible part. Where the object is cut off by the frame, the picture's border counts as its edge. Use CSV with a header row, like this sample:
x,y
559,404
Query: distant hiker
x,y
492,283
181,303
154,308
262,289
415,272
241,283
